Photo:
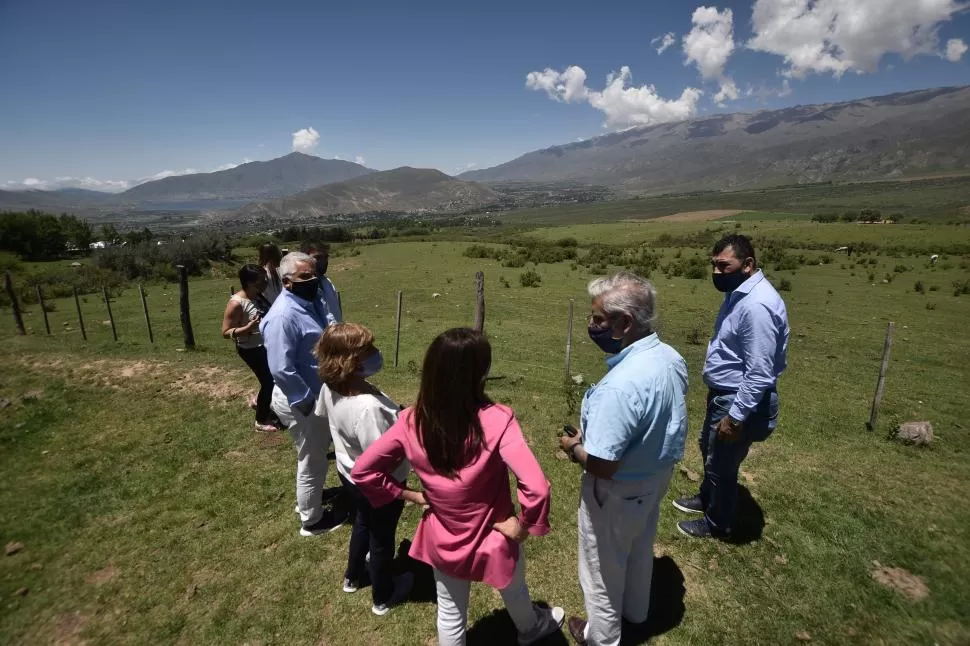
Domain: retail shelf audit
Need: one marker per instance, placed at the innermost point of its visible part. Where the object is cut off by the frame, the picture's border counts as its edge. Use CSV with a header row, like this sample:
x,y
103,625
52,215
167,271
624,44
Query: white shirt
x,y
355,422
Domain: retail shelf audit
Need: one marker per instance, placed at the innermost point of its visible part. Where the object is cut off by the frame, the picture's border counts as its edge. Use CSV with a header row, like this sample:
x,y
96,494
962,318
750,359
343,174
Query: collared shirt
x,y
328,294
748,350
637,414
290,331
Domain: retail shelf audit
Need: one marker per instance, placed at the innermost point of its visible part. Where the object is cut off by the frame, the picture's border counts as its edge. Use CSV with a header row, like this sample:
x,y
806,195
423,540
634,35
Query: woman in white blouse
x,y
359,413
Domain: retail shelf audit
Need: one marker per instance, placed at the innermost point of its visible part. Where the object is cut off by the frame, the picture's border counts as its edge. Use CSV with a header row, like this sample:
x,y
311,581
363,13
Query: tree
x,y
109,233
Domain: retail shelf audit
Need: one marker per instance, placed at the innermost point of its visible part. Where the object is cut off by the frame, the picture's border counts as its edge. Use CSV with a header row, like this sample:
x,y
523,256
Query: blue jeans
x,y
722,460
374,531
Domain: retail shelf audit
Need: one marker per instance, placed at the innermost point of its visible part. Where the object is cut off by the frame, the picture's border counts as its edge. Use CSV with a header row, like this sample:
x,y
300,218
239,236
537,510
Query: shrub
x,y
934,288
899,269
961,287
872,277
919,288
504,283
784,285
931,306
530,279
514,261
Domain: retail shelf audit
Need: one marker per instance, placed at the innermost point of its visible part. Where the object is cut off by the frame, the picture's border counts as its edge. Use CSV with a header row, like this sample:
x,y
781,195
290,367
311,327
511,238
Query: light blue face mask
x,y
371,365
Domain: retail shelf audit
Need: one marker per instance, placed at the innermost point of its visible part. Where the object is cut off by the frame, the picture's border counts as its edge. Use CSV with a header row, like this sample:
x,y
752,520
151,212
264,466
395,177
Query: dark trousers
x,y
722,460
255,358
374,531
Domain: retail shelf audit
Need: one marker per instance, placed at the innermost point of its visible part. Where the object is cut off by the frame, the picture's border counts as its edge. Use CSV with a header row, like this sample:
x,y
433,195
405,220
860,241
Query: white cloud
x,y
710,42
33,182
665,41
305,140
568,86
623,106
728,92
359,159
166,173
763,92
463,168
955,49
839,36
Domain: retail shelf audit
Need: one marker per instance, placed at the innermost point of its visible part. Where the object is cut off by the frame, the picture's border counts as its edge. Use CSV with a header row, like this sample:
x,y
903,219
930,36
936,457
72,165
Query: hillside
x,y
405,189
256,180
874,138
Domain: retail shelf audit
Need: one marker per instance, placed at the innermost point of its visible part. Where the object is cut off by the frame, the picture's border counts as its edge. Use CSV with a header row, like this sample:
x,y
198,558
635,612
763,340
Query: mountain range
x,y
252,181
405,189
883,137
899,135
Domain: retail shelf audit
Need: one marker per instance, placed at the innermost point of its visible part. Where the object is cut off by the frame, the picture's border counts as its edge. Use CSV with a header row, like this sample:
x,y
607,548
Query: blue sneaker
x,y
699,528
692,505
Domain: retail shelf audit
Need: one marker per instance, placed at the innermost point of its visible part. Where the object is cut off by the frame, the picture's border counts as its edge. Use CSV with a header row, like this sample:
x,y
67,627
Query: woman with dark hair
x,y
269,260
462,446
240,322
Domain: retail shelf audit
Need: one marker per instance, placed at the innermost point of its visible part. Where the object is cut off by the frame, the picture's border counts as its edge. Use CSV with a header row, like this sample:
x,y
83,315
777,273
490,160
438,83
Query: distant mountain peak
x,y
895,135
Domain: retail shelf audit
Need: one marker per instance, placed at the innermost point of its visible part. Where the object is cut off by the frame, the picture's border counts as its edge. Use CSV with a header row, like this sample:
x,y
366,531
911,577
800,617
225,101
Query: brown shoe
x,y
577,628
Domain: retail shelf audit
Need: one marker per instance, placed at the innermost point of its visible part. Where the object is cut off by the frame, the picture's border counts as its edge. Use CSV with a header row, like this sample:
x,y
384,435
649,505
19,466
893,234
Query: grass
x,y
150,512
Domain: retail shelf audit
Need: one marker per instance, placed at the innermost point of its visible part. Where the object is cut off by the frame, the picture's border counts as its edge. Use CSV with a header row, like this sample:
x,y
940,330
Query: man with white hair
x,y
633,429
290,332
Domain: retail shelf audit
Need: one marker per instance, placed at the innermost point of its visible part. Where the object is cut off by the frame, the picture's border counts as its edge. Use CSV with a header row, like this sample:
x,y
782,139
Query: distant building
x,y
100,244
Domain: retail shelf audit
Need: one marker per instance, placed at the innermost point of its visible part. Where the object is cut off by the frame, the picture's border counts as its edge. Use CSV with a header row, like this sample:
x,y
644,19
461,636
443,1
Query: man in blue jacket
x,y
745,357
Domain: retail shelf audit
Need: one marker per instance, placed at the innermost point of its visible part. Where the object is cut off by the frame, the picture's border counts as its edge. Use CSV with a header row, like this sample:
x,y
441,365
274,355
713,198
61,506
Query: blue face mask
x,y
603,337
371,365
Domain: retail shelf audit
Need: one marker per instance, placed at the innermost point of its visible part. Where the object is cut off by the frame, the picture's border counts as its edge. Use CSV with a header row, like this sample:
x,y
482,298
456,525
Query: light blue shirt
x,y
637,414
290,331
748,350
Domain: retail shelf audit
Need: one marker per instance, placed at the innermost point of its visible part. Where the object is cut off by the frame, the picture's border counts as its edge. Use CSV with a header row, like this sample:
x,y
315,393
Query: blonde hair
x,y
341,349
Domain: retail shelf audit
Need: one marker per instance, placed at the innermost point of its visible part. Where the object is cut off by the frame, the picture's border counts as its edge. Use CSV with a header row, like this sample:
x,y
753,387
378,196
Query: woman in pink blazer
x,y
462,446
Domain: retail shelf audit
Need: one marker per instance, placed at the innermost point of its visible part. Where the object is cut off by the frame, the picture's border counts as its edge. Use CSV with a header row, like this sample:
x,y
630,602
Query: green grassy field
x,y
149,511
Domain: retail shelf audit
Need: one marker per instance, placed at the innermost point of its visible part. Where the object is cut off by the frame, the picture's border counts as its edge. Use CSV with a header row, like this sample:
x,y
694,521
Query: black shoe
x,y
692,505
331,520
577,630
699,528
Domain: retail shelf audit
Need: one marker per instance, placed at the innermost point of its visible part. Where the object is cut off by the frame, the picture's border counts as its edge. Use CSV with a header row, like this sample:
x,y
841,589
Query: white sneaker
x,y
550,621
351,586
402,588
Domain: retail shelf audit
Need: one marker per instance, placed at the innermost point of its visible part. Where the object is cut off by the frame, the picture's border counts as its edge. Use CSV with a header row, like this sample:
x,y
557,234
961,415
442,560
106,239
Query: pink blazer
x,y
455,536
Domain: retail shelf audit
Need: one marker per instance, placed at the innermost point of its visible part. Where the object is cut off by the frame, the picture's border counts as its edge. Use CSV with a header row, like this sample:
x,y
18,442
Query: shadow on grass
x,y
497,628
749,519
424,590
667,592
666,613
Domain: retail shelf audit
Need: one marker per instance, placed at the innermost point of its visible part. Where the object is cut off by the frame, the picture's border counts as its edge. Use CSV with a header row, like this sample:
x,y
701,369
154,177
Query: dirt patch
x,y
67,627
906,583
211,382
103,575
699,216
214,383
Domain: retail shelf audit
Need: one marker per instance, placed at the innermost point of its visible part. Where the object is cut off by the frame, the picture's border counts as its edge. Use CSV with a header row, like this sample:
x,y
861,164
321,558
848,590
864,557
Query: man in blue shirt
x,y
745,357
634,425
290,332
328,293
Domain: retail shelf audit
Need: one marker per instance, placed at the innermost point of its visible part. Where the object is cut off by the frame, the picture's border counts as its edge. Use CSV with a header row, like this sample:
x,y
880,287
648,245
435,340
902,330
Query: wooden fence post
x,y
80,317
480,301
14,303
184,307
43,310
880,385
148,321
569,338
397,334
111,317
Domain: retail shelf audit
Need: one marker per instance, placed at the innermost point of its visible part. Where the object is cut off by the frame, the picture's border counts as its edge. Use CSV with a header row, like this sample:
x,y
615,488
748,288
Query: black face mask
x,y
322,264
305,289
729,282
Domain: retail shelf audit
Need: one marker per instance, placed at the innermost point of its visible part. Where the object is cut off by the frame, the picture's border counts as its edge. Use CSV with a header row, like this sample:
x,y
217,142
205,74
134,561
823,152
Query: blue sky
x,y
121,91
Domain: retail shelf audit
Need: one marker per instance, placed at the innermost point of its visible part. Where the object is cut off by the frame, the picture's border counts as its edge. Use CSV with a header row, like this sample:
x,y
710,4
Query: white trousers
x,y
311,438
453,604
617,525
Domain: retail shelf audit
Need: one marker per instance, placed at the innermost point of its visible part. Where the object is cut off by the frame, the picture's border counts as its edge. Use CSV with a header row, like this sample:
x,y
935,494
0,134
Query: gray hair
x,y
627,293
291,260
